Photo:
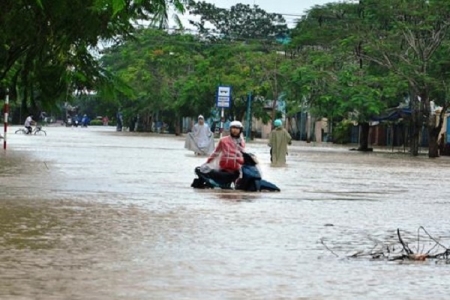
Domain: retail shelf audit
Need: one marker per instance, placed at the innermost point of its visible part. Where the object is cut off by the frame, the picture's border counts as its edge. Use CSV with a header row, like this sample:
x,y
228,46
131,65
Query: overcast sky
x,y
274,6
289,8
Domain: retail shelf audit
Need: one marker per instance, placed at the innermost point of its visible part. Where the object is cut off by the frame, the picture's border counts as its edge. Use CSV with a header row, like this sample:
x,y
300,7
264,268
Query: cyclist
x,y
28,122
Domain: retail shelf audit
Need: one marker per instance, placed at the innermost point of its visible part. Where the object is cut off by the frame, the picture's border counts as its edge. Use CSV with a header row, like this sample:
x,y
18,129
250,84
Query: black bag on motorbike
x,y
250,179
198,183
214,179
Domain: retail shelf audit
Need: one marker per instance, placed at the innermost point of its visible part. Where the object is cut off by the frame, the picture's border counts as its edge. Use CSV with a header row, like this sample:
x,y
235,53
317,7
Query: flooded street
x,y
91,213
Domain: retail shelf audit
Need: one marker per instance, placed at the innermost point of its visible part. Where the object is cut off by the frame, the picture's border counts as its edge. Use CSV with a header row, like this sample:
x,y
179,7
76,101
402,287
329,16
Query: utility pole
x,y
248,129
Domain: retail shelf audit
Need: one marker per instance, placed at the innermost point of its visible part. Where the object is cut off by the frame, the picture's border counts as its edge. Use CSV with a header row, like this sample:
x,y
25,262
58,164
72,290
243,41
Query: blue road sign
x,y
223,99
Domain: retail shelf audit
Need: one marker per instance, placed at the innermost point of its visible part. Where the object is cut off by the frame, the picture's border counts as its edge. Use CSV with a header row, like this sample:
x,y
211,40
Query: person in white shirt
x,y
28,122
201,139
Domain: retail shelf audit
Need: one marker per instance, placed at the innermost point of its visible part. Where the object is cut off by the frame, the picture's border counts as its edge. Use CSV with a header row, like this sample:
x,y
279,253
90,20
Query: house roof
x,y
392,114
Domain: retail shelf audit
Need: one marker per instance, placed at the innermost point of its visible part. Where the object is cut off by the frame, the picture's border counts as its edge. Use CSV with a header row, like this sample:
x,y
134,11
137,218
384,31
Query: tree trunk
x,y
416,124
177,126
414,144
433,134
433,149
308,128
364,137
274,107
146,122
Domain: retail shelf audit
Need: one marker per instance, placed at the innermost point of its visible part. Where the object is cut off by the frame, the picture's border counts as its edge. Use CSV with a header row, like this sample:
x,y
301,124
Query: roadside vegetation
x,y
346,62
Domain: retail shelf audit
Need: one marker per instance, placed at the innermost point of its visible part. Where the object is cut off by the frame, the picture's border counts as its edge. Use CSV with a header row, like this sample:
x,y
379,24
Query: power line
x,y
290,15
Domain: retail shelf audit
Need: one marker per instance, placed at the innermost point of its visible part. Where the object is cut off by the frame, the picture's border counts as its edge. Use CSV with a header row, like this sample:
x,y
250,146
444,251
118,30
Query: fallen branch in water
x,y
405,246
323,243
402,250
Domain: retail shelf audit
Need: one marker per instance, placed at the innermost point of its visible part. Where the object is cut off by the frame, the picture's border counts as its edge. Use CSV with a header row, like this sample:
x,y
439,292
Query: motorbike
x,y
249,179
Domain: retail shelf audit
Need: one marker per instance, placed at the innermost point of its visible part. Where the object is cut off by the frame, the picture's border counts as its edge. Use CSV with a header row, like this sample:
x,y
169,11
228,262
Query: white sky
x,y
289,8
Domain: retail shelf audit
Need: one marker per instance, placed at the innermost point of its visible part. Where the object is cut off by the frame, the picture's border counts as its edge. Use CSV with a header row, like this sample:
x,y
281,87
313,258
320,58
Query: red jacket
x,y
230,152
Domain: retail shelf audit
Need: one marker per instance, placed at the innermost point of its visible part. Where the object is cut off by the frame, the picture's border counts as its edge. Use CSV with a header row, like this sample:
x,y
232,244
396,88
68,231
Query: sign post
x,y
6,109
223,100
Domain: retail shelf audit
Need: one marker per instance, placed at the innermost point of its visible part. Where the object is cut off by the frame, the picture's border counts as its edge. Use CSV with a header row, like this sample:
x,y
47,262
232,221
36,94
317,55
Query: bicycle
x,y
37,130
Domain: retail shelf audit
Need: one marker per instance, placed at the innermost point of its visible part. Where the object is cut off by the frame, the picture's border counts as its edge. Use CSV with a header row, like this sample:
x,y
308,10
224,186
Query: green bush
x,y
342,132
96,122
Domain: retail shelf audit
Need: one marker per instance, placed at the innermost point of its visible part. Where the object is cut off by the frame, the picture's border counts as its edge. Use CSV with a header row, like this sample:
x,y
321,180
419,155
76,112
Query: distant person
x,y
43,117
119,121
85,121
105,121
75,120
201,139
279,139
28,122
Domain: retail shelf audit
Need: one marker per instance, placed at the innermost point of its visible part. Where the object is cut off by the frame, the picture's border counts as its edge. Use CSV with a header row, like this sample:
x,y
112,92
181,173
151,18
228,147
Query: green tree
x,y
408,39
240,22
259,31
394,45
160,69
51,42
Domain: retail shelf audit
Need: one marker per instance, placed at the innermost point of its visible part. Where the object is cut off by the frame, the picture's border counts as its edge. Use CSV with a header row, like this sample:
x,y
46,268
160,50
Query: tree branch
x,y
405,246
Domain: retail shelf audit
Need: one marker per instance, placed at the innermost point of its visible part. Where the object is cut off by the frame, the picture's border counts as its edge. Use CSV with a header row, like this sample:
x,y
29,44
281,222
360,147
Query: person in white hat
x,y
223,166
201,139
229,150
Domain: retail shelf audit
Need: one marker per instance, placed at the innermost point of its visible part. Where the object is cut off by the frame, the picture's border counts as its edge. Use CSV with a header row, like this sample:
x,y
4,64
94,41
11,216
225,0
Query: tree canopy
x,y
47,46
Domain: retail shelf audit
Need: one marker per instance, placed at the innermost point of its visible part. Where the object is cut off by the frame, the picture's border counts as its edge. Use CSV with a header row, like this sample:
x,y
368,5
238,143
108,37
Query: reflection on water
x,y
230,195
98,214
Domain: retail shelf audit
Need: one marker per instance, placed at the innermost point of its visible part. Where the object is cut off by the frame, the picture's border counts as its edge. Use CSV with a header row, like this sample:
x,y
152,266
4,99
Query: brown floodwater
x,y
91,213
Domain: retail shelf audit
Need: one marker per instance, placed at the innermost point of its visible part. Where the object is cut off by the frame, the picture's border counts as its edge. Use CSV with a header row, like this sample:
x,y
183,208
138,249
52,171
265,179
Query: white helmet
x,y
236,124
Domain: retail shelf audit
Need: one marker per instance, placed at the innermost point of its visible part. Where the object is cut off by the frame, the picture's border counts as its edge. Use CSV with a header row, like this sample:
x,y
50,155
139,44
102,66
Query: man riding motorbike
x,y
228,152
235,166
